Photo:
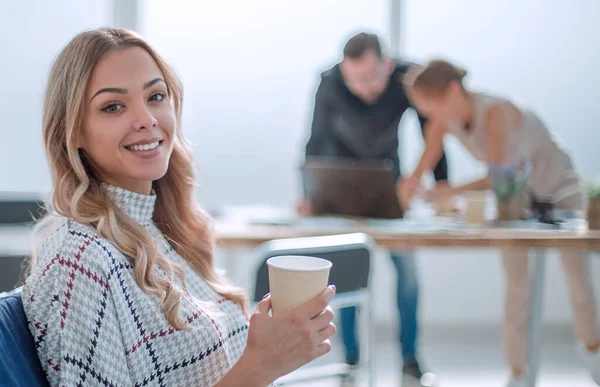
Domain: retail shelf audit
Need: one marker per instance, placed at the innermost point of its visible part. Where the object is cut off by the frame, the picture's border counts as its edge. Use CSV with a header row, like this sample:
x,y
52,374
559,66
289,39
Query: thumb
x,y
264,306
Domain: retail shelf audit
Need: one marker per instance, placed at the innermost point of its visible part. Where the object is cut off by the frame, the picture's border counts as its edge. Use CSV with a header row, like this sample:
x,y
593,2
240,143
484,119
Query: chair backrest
x,y
11,271
20,208
350,255
19,362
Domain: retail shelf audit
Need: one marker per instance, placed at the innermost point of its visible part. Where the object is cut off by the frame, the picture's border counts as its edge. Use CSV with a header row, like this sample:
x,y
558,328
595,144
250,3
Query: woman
x,y
499,133
123,290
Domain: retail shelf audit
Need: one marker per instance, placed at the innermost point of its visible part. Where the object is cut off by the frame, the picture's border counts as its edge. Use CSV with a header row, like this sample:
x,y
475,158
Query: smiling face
x,y
129,121
367,76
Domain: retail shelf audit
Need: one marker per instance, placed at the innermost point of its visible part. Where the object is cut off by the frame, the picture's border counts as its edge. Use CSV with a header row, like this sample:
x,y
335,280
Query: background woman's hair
x,y
78,195
435,77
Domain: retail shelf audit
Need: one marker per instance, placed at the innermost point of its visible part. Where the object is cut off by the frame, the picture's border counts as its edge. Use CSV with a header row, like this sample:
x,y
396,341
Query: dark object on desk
x,y
542,209
19,362
14,211
350,188
593,213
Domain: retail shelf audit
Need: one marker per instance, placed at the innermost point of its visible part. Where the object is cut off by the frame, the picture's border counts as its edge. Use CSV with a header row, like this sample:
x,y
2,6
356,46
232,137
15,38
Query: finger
x,y
323,319
315,306
327,332
264,306
323,348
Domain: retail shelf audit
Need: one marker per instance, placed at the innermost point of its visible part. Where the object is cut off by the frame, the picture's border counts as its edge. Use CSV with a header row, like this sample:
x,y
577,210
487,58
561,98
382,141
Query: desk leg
x,y
536,316
370,336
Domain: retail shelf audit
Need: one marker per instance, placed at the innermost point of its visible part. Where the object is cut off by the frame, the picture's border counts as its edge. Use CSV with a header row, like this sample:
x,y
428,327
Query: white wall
x,y
250,70
32,32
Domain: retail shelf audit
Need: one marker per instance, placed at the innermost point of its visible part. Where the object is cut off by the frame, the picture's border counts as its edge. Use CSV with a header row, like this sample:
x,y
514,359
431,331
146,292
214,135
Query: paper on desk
x,y
436,225
325,224
392,226
408,226
573,224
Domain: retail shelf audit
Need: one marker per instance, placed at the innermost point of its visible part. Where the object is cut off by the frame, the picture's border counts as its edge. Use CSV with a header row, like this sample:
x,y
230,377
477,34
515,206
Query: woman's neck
x,y
137,186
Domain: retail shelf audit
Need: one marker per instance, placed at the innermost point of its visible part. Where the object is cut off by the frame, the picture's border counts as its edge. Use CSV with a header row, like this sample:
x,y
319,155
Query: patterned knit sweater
x,y
93,325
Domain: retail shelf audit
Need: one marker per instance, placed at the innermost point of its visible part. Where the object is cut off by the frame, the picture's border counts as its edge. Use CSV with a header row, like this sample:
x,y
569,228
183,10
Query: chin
x,y
369,101
150,174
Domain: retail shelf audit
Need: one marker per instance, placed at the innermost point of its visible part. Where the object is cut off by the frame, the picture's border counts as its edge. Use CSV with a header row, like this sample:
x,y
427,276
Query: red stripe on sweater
x,y
162,333
68,263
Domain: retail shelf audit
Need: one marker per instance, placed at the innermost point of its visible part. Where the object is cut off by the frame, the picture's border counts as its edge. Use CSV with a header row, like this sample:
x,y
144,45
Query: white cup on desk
x,y
475,206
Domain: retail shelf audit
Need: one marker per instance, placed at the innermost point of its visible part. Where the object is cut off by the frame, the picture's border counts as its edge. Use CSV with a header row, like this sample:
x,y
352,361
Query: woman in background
x,y
123,290
500,134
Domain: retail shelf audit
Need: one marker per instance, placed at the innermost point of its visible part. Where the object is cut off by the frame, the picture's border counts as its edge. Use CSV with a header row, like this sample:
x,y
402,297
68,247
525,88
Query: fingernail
x,y
333,286
266,295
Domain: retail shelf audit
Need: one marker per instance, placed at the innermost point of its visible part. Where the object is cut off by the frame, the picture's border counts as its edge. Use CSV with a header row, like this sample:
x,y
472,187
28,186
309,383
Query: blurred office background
x,y
250,70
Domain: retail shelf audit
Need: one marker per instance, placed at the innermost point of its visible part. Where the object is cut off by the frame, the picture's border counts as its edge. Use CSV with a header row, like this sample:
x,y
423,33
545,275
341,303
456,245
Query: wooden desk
x,y
244,234
540,240
16,240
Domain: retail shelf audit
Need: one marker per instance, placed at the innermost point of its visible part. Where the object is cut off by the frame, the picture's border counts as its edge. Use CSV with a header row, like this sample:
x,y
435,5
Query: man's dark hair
x,y
360,44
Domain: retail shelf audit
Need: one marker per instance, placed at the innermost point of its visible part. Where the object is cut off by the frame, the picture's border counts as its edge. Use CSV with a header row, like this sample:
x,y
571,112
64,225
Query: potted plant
x,y
593,213
509,184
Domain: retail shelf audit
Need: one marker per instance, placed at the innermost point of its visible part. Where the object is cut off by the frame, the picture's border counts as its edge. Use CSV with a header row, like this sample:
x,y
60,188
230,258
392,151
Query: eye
x,y
157,97
112,108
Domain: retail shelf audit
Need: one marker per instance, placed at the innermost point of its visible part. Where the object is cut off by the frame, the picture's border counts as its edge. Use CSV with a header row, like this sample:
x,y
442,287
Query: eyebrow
x,y
120,90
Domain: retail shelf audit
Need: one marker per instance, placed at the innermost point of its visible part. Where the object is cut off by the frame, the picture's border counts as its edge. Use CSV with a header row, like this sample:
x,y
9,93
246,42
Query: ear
x,y
455,88
389,66
78,144
79,140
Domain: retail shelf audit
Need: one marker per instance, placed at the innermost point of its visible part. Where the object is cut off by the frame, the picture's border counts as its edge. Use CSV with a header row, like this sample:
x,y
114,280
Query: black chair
x,y
18,212
350,255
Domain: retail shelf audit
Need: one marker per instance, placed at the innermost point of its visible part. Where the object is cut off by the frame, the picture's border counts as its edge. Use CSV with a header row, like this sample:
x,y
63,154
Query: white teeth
x,y
145,147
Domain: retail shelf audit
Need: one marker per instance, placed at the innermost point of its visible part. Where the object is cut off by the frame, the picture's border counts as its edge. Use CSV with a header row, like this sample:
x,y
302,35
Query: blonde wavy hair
x,y
78,195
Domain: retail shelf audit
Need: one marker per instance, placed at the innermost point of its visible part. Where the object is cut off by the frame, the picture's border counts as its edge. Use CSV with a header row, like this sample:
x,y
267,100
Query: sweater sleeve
x,y
321,123
72,316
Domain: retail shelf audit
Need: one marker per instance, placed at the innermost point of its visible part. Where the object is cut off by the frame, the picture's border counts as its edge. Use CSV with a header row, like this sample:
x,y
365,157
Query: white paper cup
x,y
295,279
476,202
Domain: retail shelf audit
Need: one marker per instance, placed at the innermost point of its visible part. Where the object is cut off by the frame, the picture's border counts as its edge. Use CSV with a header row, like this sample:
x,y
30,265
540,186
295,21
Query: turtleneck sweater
x,y
93,325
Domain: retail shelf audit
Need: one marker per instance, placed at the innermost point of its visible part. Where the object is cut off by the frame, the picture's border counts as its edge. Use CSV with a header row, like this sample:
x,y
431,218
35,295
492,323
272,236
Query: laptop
x,y
351,188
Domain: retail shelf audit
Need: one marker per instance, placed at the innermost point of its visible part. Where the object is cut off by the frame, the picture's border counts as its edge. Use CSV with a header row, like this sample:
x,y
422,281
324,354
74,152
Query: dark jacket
x,y
344,126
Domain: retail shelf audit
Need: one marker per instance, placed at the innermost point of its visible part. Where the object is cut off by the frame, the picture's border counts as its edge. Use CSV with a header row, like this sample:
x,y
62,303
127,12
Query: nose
x,y
144,118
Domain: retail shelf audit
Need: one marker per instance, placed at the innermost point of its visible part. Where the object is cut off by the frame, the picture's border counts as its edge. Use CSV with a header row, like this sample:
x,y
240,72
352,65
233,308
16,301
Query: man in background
x,y
358,107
